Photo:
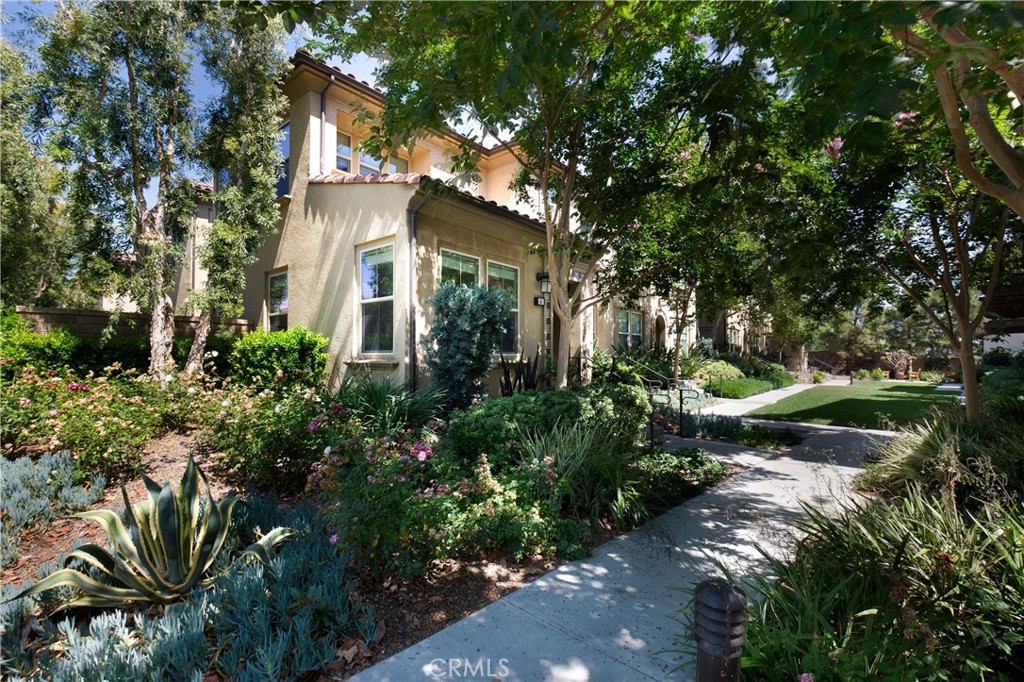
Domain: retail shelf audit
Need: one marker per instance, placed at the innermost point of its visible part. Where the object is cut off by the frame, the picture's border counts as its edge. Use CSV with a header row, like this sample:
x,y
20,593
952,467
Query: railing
x,y
821,364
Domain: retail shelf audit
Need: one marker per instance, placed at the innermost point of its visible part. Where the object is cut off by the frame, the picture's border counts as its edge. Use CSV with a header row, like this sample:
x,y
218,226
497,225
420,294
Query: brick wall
x,y
86,322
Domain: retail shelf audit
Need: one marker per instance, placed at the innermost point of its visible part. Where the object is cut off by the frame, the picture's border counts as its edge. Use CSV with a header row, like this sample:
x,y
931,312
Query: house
x,y
364,242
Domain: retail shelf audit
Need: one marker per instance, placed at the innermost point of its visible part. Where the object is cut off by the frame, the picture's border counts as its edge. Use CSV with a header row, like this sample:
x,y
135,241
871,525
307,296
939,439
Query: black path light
x,y
720,628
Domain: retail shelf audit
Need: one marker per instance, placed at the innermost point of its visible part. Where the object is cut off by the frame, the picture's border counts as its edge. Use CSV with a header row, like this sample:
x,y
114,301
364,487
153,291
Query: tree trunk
x,y
562,359
678,350
161,326
194,364
972,401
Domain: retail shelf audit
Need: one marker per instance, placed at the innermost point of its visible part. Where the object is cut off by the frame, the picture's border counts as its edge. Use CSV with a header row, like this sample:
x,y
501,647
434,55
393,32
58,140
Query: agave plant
x,y
167,549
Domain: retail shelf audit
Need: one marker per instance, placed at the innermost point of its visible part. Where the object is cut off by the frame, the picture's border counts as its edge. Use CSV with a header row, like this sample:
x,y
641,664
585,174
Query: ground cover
x,y
870,404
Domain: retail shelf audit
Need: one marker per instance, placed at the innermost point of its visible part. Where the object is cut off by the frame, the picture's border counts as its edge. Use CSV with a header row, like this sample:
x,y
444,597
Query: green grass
x,y
866,404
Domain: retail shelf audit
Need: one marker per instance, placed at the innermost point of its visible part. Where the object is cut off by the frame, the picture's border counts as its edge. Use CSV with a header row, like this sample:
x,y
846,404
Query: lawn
x,y
867,404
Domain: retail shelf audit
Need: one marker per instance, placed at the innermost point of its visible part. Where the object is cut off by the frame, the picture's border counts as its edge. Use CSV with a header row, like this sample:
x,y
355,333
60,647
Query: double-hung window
x,y
377,291
371,165
344,153
630,330
277,302
459,268
506,278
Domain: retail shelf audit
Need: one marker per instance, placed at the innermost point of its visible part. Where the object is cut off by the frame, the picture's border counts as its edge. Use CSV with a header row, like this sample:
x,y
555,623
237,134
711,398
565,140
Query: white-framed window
x,y
285,146
685,338
372,165
733,336
377,293
460,268
277,301
506,278
344,153
630,325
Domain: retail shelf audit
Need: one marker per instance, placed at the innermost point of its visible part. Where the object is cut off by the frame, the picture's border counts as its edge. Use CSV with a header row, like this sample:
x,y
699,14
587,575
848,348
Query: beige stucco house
x,y
364,242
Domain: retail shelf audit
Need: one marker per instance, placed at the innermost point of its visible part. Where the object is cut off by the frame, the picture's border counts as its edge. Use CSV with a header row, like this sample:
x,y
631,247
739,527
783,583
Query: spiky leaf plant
x,y
167,549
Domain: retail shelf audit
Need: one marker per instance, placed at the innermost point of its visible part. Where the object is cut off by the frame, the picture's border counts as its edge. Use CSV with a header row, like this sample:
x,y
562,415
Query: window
x,y
685,338
344,154
734,337
630,330
377,288
506,278
277,302
284,146
460,269
371,165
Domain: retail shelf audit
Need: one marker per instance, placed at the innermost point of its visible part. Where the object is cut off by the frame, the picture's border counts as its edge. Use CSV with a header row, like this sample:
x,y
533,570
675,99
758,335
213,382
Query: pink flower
x,y
408,430
684,156
421,456
333,539
805,677
833,147
51,373
52,413
371,480
903,120
24,402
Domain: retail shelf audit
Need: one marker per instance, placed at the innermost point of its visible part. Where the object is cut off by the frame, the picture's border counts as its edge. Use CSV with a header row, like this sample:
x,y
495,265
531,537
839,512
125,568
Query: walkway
x,y
615,616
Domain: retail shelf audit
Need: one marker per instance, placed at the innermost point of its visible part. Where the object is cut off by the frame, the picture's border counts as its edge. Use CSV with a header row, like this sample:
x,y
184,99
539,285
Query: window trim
x,y
351,151
390,244
278,272
440,262
517,308
629,335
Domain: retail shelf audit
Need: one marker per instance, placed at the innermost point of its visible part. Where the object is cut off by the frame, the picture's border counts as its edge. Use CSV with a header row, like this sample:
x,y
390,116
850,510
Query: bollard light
x,y
720,628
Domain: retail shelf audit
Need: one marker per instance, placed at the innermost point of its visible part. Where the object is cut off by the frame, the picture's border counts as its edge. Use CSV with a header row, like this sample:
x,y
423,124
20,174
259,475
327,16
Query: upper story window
x,y
733,336
630,335
277,301
377,291
285,146
459,268
347,160
506,278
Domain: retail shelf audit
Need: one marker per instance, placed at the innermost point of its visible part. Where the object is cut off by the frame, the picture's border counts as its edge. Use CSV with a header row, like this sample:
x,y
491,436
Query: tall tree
x,y
560,78
118,75
240,146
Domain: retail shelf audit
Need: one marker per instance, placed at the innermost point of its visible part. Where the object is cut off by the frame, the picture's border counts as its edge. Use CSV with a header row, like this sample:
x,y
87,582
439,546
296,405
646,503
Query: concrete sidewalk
x,y
735,408
615,616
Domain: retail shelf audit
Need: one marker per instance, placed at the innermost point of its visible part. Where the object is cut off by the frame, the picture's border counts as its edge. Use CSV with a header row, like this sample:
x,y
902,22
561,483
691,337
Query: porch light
x,y
545,287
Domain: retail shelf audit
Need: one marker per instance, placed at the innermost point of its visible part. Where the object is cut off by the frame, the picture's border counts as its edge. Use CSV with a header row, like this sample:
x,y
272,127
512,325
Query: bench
x,y
913,376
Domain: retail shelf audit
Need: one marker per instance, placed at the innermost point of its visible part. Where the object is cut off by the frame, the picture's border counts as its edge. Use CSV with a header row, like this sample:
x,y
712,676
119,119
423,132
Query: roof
x,y
429,185
303,57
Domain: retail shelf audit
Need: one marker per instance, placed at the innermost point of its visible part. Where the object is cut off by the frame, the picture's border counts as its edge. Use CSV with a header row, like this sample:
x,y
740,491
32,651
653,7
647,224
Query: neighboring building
x,y
734,330
1006,329
364,242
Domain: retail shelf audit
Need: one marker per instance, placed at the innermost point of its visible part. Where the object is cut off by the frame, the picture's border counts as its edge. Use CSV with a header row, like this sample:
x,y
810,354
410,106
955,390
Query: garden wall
x,y
84,322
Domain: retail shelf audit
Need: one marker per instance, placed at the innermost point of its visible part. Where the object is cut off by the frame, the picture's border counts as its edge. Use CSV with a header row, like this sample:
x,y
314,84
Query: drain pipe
x,y
323,127
411,219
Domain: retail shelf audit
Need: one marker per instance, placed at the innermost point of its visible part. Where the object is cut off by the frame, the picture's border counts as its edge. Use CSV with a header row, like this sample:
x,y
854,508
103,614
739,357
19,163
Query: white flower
x,y
191,390
214,353
278,408
225,402
327,450
168,377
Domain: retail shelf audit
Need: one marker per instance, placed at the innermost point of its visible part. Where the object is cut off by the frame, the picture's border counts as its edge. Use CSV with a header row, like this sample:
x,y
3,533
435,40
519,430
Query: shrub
x,y
780,379
466,331
491,426
932,377
691,361
609,368
268,438
998,358
877,374
718,369
738,388
1002,394
911,589
102,420
35,491
168,547
862,374
734,429
384,406
818,377
284,622
295,357
667,478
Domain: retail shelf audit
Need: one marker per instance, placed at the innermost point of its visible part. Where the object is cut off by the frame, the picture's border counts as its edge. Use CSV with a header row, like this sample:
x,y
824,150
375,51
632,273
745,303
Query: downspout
x,y
411,219
323,127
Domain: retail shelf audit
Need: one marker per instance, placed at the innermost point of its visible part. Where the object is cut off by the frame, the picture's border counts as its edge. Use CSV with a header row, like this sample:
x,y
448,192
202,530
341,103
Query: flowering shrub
x,y
296,357
102,420
268,438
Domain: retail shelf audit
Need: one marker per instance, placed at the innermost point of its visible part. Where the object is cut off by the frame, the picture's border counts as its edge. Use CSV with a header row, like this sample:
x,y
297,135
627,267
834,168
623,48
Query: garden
x,y
352,521
924,578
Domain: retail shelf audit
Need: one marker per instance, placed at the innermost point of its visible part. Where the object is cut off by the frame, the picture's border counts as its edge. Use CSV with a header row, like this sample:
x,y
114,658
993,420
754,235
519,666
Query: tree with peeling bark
x,y
240,147
561,79
117,85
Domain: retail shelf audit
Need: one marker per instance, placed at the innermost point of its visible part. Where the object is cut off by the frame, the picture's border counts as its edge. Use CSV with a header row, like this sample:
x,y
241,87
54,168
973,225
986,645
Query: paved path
x,y
735,408
615,616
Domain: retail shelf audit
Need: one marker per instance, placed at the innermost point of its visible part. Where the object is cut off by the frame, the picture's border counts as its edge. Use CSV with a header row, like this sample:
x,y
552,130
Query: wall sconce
x,y
545,287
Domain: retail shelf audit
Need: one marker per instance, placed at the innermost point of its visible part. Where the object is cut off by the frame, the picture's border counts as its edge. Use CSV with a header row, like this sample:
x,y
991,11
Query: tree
x,y
240,145
117,76
561,79
36,246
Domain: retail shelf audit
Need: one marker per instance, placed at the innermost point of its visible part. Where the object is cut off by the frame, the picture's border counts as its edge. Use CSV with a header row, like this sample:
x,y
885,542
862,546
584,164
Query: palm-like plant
x,y
166,550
